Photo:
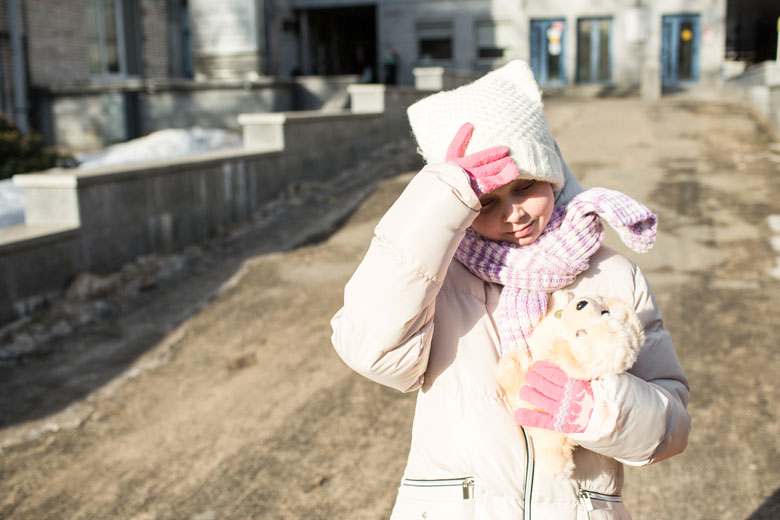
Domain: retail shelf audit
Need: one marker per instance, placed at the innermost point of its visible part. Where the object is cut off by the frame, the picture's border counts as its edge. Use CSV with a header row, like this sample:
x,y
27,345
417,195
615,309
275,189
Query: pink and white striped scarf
x,y
563,250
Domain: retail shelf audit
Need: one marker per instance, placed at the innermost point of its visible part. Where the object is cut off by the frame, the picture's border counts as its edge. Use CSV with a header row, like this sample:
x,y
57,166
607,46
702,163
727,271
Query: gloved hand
x,y
566,404
488,169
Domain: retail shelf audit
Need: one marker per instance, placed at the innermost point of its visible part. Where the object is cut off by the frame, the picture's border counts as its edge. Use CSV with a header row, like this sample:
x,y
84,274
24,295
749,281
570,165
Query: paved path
x,y
215,393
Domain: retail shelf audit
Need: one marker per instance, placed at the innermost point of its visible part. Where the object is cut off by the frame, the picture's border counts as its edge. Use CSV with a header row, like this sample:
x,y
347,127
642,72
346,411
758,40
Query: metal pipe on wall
x,y
19,70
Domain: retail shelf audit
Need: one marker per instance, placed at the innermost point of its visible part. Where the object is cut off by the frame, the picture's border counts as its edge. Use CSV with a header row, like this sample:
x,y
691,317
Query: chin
x,y
522,241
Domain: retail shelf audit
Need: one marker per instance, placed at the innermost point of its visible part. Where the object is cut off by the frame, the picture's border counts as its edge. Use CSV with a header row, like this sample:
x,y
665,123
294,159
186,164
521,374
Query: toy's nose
x,y
581,304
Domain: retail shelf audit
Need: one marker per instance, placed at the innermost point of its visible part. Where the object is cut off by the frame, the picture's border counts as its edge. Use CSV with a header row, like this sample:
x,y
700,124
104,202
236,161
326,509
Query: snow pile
x,y
163,144
11,204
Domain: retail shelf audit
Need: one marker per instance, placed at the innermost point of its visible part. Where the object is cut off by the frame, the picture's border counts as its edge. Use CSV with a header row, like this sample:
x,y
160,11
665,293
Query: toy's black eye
x,y
581,305
604,312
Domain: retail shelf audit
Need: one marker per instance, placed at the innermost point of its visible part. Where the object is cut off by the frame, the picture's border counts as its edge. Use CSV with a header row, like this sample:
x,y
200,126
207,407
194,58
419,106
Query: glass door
x,y
548,46
680,49
594,56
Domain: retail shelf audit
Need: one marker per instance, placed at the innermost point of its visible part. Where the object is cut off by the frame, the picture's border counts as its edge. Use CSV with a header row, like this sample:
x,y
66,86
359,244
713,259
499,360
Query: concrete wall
x,y
99,219
90,118
759,86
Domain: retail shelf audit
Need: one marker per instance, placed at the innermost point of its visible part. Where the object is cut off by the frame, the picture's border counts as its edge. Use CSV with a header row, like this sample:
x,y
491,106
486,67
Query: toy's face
x,y
603,337
582,314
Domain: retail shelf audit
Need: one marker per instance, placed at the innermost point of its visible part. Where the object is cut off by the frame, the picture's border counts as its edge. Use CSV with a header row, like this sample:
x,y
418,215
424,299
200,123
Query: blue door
x,y
680,49
548,46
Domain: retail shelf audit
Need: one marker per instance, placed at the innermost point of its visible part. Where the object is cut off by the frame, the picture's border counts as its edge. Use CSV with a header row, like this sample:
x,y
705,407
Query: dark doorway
x,y
751,30
341,41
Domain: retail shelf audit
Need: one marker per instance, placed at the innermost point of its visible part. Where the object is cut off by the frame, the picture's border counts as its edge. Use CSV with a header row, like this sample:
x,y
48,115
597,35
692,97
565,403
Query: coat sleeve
x,y
384,329
641,416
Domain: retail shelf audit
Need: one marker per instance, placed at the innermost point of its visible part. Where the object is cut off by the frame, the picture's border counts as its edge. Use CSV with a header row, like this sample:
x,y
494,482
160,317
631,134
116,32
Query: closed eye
x,y
604,312
487,201
523,187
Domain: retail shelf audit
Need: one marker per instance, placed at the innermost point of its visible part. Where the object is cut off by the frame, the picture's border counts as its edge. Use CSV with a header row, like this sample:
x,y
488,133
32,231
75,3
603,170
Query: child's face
x,y
516,212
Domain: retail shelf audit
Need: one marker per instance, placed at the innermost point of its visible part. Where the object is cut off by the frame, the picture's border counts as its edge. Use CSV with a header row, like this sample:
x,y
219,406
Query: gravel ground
x,y
202,385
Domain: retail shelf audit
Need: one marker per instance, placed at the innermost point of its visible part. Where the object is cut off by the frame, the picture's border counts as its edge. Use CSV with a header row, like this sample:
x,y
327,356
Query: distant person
x,y
499,200
390,67
368,75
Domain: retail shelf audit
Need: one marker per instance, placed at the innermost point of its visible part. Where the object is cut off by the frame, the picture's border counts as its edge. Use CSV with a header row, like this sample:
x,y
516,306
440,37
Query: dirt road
x,y
210,389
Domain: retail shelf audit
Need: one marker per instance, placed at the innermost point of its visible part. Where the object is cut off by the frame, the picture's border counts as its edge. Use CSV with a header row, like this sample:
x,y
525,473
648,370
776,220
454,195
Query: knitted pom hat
x,y
505,107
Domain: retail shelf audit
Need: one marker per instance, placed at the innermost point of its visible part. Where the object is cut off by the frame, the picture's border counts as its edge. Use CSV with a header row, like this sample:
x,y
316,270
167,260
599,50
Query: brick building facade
x,y
56,47
111,60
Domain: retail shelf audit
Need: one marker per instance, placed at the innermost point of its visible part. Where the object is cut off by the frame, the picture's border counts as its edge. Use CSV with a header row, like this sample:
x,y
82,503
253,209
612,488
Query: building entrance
x,y
594,60
547,52
680,49
339,41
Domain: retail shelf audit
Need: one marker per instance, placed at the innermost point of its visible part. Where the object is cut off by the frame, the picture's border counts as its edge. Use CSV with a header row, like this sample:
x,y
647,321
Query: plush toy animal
x,y
587,338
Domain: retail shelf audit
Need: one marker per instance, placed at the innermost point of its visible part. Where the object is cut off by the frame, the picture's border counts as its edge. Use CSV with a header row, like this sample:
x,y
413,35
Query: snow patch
x,y
162,144
11,204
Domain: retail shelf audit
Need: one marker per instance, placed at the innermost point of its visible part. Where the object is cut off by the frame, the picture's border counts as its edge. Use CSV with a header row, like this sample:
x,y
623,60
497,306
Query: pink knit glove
x,y
566,404
488,169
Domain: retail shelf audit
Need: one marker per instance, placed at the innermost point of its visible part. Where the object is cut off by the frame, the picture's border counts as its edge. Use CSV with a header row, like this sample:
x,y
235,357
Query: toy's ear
x,y
557,301
621,311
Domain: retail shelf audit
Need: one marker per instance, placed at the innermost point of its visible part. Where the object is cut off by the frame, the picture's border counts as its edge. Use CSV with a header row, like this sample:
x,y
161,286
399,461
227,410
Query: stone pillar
x,y
428,78
50,199
367,99
263,132
227,38
650,24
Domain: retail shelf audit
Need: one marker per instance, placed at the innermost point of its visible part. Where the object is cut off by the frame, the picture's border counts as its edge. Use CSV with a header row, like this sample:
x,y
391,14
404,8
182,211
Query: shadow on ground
x,y
120,327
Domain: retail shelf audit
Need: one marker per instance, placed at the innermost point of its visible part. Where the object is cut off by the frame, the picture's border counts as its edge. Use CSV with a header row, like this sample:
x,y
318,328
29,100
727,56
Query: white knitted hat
x,y
505,107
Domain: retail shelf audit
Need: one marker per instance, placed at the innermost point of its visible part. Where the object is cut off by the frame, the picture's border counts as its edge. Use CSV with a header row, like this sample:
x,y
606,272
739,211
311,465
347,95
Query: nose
x,y
513,212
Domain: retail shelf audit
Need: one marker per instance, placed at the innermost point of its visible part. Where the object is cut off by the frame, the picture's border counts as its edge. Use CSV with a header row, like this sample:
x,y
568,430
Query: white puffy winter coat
x,y
414,319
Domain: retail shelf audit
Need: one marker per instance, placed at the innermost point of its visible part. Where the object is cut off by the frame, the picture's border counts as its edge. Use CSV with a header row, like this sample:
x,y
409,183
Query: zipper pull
x,y
468,488
585,497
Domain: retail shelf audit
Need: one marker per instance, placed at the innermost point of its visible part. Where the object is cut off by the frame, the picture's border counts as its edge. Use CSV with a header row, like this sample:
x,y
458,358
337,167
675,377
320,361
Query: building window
x,y
112,37
434,40
493,39
594,64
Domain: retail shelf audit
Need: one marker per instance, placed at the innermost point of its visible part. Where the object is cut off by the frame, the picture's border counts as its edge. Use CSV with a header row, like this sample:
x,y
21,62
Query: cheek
x,y
481,224
486,224
543,205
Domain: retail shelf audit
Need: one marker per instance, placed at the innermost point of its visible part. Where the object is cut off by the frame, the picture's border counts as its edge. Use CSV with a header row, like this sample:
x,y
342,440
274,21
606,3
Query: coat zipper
x,y
467,483
529,475
587,497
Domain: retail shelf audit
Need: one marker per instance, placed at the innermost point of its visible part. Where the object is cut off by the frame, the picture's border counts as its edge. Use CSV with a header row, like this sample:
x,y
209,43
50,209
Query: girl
x,y
414,319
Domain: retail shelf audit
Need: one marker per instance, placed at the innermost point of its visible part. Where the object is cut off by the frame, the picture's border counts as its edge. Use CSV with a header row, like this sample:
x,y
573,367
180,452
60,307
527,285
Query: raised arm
x,y
384,329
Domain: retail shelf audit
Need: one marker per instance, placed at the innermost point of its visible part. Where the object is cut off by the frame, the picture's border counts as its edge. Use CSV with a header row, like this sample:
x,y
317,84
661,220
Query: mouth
x,y
521,232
